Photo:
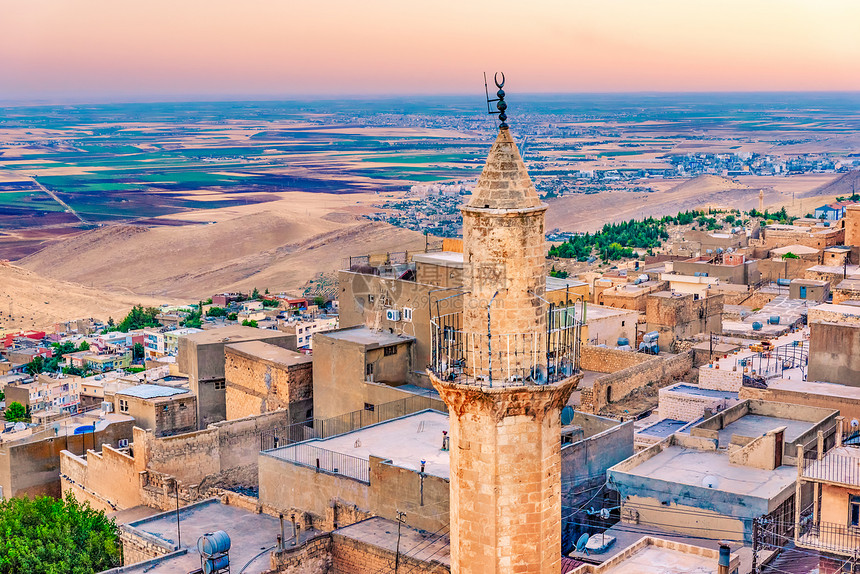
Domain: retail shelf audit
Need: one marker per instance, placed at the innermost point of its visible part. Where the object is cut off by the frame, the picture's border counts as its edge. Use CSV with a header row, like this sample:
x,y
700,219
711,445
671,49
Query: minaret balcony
x,y
489,359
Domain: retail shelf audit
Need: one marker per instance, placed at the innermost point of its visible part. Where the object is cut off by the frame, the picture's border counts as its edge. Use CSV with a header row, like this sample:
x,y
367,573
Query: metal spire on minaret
x,y
501,106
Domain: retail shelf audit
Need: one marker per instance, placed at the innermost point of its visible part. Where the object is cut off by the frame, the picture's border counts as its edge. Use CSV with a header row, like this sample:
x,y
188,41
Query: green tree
x,y
49,536
320,301
216,312
790,255
249,323
255,294
14,412
36,366
233,316
137,351
84,346
138,318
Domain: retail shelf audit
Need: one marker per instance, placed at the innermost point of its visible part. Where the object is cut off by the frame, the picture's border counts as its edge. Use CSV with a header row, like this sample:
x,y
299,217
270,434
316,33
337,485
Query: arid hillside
x,y
278,245
590,212
28,300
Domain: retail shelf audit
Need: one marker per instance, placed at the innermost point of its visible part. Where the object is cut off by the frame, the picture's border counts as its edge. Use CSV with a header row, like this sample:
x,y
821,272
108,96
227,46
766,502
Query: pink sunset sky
x,y
140,49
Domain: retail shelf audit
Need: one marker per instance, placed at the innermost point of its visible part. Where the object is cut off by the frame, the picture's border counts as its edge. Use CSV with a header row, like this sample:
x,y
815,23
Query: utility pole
x,y
754,546
178,531
400,517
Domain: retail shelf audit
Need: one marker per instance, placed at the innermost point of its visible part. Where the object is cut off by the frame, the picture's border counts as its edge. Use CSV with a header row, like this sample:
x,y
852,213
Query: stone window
x,y
388,351
368,369
220,385
123,406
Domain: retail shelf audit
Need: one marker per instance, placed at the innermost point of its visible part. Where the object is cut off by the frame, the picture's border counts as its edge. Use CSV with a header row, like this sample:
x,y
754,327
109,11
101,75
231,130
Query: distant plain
x,y
180,200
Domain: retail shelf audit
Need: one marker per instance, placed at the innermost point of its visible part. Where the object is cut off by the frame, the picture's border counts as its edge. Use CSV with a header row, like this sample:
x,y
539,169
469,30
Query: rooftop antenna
x,y
501,105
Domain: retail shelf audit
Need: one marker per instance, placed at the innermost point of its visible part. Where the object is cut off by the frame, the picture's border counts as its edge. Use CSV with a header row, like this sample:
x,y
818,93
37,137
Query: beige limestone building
x,y
262,378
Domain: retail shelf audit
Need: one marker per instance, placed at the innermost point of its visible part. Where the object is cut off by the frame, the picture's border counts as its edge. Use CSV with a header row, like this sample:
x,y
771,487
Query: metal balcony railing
x,y
509,359
829,537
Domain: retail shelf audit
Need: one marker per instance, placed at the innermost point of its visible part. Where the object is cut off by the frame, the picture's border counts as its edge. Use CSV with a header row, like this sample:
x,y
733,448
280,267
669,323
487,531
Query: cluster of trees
x,y
52,365
852,197
615,240
137,318
195,318
46,536
780,215
561,274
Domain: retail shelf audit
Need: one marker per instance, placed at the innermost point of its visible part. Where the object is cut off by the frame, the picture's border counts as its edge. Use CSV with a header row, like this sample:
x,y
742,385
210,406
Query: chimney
x,y
725,559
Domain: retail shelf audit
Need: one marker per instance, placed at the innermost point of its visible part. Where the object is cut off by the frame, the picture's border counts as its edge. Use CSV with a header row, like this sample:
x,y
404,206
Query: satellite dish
x,y
710,481
581,543
566,415
855,422
604,513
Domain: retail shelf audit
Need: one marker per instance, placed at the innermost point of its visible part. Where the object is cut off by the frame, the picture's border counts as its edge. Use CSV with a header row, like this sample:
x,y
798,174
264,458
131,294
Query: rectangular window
x,y
388,351
123,406
220,385
854,510
368,369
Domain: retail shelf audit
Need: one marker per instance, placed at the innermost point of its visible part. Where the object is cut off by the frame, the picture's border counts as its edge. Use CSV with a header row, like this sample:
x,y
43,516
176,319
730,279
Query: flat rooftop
x,y
664,428
815,388
558,284
658,560
382,533
249,533
365,336
231,334
691,467
270,353
700,392
835,269
753,426
602,312
796,249
406,441
443,258
151,391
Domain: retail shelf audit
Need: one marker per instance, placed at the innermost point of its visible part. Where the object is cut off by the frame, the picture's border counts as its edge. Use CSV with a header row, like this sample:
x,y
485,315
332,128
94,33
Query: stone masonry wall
x,y
720,379
256,386
615,386
604,360
313,556
350,556
192,456
685,407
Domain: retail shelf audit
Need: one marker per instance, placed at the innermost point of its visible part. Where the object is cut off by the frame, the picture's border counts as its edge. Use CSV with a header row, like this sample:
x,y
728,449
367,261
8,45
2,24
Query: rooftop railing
x,y
348,422
322,460
834,467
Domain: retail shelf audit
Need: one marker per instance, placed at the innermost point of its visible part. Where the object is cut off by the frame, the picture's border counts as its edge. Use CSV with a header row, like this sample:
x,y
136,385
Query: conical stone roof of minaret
x,y
504,182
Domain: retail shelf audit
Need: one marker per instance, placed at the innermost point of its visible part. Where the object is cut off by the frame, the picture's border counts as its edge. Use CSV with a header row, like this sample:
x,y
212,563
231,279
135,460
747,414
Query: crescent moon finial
x,y
499,84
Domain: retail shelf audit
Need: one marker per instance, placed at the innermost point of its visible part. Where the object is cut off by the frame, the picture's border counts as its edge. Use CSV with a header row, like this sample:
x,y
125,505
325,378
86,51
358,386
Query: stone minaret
x,y
505,380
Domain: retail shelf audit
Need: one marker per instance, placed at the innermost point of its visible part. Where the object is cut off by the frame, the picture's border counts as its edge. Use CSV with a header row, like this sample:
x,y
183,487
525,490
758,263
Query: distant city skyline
x,y
161,49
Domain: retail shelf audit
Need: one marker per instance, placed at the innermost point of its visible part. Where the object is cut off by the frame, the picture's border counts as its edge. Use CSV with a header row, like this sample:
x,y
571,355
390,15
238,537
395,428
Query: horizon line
x,y
331,97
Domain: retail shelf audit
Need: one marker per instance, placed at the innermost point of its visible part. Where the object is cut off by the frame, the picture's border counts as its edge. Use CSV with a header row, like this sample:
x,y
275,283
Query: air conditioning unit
x,y
122,443
106,407
392,314
407,314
